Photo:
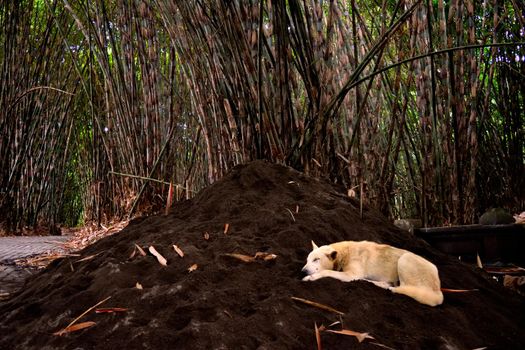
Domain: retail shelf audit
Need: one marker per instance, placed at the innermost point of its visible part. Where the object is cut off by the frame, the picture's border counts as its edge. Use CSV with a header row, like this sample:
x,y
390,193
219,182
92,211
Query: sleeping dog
x,y
388,267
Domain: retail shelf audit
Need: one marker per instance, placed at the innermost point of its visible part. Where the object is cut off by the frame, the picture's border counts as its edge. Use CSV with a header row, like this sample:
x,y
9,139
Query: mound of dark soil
x,y
229,304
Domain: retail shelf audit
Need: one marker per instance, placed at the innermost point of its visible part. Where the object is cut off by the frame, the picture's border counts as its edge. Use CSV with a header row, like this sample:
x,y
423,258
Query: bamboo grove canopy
x,y
417,106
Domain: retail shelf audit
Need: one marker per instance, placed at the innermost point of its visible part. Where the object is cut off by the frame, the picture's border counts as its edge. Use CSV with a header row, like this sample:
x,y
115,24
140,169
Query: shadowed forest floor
x,y
208,299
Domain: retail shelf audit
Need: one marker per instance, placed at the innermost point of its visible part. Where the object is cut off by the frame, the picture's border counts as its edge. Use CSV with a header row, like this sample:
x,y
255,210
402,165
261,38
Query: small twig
x,y
317,305
144,178
381,345
88,257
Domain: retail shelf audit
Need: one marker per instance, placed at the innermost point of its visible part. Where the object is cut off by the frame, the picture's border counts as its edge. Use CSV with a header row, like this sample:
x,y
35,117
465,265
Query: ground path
x,y
12,276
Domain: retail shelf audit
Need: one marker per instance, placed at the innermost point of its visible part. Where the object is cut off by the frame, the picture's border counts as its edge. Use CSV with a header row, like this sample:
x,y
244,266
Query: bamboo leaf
x,y
159,257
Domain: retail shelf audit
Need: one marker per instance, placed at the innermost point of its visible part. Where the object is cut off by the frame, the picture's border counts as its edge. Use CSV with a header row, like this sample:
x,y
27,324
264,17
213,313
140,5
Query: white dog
x,y
381,264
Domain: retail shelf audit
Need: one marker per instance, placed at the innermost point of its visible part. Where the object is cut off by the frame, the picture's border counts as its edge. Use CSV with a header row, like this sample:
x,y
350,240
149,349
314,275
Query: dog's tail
x,y
424,295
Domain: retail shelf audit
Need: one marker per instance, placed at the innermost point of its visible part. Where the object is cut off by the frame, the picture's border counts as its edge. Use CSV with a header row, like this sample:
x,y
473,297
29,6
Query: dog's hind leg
x,y
418,279
421,294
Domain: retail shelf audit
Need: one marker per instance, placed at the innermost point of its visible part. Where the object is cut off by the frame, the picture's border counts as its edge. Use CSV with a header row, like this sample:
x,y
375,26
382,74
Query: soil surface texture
x,y
208,299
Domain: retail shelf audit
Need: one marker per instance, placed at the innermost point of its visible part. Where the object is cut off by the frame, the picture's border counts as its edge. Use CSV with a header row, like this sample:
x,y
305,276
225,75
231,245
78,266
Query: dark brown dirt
x,y
229,304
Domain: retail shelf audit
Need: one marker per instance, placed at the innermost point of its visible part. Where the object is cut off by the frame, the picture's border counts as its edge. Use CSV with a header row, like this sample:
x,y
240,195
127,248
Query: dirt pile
x,y
226,303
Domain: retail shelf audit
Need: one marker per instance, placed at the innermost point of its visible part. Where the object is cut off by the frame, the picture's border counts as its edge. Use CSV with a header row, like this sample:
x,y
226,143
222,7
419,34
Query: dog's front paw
x,y
312,277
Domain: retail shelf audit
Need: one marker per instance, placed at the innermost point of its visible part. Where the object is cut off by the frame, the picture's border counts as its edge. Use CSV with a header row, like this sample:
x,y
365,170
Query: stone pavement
x,y
12,277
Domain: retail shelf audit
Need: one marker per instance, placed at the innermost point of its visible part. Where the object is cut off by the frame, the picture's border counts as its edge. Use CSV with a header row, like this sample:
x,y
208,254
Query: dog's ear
x,y
332,255
314,246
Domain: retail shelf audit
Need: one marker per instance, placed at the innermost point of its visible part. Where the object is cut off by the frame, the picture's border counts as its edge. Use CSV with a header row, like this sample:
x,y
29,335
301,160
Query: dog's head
x,y
320,258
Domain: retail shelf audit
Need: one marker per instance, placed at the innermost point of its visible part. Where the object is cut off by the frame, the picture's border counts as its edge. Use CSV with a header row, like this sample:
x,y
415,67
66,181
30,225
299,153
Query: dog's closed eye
x,y
316,259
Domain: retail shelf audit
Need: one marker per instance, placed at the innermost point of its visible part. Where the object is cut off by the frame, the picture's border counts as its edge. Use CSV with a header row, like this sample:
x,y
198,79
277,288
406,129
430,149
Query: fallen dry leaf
x,y
248,259
109,310
75,327
193,268
318,337
138,286
132,255
159,257
360,336
178,250
70,325
226,228
296,209
317,305
265,256
448,290
478,261
241,257
141,251
206,235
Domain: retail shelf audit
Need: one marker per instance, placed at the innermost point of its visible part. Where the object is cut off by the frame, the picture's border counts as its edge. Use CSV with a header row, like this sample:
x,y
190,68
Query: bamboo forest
x,y
107,107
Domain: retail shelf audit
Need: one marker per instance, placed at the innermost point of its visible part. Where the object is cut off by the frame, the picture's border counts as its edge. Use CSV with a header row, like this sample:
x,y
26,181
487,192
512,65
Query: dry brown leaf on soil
x,y
75,327
178,250
265,256
478,261
248,259
159,257
193,268
317,305
132,255
226,228
138,286
206,235
109,310
241,257
360,336
141,251
70,325
318,337
448,290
